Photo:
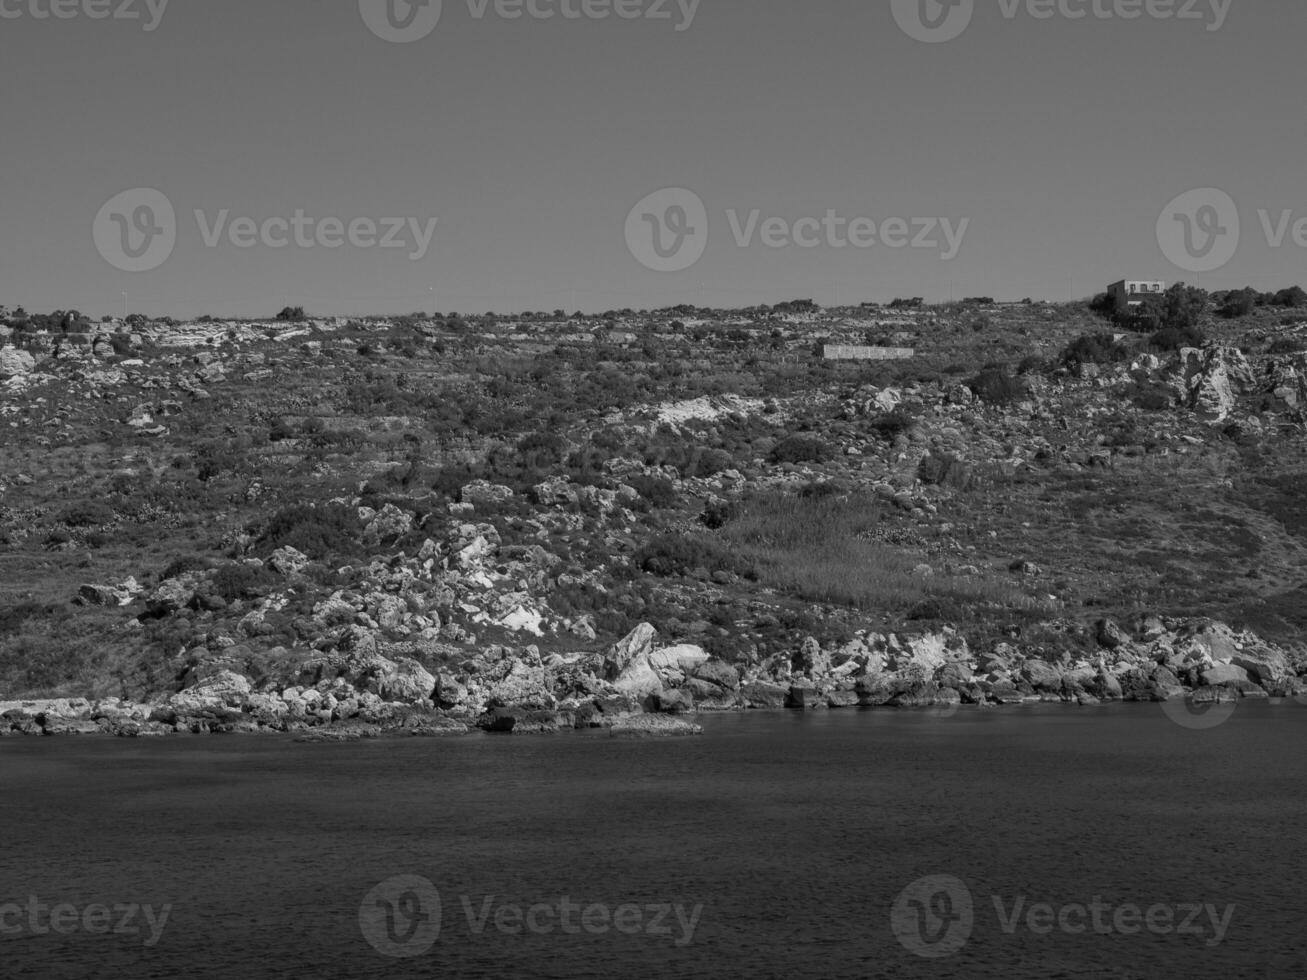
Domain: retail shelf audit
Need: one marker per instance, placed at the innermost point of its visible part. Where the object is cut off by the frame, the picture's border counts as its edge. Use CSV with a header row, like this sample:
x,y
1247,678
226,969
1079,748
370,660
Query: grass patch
x,y
819,549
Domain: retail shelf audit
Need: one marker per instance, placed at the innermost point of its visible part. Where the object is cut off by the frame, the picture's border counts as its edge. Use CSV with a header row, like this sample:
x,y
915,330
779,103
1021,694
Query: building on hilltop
x,y
1129,292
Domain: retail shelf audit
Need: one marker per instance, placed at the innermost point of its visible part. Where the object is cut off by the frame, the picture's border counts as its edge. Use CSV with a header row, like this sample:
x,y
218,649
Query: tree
x,y
1238,303
1179,308
293,314
1293,297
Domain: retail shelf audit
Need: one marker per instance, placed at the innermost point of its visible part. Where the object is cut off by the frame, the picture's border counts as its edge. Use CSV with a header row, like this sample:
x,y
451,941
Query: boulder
x,y
1265,665
173,594
482,493
407,683
811,660
288,561
761,694
1110,635
1224,673
719,673
519,721
1043,677
389,523
109,595
218,694
654,726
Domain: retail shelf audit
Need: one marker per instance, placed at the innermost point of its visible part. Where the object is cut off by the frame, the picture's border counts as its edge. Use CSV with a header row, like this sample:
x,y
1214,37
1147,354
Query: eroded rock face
x,y
1213,379
15,362
218,694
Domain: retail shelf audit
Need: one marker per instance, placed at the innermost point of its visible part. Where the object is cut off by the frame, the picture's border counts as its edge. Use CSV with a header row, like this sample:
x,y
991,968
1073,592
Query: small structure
x,y
839,352
1133,292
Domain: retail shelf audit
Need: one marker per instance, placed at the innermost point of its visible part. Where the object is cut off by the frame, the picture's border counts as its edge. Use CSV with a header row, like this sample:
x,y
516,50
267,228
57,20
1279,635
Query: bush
x,y
681,555
1153,398
658,492
234,582
994,386
946,470
1293,297
13,618
801,449
315,531
892,423
1238,303
87,513
180,566
1288,345
1094,348
1174,338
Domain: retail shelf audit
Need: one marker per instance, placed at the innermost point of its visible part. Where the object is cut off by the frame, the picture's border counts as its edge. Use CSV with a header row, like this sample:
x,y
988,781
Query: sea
x,y
1118,842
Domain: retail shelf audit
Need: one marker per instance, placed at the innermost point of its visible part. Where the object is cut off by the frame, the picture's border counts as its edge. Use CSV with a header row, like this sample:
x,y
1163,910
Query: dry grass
x,y
822,550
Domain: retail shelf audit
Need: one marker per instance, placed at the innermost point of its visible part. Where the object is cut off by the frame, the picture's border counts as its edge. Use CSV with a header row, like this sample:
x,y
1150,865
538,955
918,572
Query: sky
x,y
838,150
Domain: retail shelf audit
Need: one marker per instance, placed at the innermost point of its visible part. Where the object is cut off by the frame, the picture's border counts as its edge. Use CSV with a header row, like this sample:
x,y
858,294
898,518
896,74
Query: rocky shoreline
x,y
639,688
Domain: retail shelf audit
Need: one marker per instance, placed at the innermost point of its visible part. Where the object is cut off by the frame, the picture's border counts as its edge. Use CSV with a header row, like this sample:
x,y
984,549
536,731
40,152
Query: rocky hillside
x,y
345,527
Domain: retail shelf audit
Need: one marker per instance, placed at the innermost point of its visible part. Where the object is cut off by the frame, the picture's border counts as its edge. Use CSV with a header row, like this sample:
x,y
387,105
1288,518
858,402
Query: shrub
x,y
994,386
1094,348
892,423
13,618
947,470
315,531
1153,398
1293,297
1174,338
234,582
1288,345
1238,303
719,513
680,555
87,513
801,449
180,566
1103,305
658,492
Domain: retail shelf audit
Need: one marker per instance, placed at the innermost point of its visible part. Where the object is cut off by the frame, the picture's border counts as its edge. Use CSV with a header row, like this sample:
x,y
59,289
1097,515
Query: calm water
x,y
792,834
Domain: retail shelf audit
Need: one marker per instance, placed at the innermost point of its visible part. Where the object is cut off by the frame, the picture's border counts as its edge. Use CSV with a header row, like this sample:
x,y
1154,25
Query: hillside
x,y
432,523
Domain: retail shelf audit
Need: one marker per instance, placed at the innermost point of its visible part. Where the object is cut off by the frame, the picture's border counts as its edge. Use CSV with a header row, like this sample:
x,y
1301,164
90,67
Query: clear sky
x,y
1059,141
